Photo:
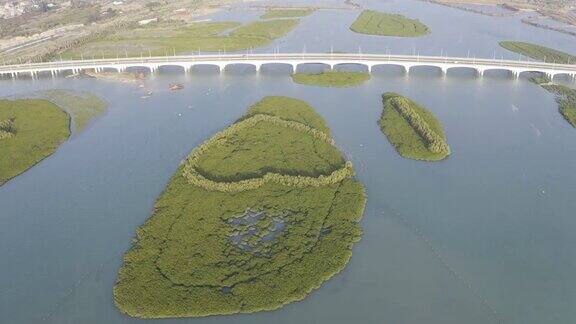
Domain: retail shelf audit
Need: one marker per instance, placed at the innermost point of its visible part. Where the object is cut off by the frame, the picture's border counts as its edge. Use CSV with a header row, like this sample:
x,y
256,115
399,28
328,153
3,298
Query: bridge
x,y
186,62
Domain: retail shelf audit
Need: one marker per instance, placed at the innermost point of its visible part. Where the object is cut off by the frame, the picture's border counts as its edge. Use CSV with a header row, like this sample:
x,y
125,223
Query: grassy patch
x,y
83,107
332,79
206,37
210,251
38,127
378,23
419,137
286,13
538,52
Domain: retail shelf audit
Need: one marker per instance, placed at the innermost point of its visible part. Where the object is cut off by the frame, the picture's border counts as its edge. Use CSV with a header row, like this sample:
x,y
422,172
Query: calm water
x,y
486,236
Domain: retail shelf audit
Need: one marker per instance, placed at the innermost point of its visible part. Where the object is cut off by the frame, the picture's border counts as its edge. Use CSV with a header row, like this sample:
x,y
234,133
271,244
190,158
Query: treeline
x,y
191,173
435,143
7,129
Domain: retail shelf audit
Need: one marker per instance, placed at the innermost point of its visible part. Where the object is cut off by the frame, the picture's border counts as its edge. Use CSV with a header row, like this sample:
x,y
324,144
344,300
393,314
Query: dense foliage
x,y
201,254
379,23
414,132
539,52
332,78
38,127
7,129
566,98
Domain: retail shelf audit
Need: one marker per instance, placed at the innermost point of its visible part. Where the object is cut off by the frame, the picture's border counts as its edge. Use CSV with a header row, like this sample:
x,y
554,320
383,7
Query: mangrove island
x,y
372,22
412,130
256,217
337,79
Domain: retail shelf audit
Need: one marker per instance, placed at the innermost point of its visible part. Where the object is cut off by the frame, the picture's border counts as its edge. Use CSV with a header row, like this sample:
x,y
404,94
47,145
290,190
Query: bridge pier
x,y
444,71
480,72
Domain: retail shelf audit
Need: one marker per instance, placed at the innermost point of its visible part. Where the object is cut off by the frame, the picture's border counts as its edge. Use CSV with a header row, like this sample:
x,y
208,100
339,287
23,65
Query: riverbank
x,y
226,232
162,39
412,130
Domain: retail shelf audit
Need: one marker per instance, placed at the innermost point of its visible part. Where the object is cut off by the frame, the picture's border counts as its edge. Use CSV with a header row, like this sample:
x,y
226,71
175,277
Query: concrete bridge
x,y
186,62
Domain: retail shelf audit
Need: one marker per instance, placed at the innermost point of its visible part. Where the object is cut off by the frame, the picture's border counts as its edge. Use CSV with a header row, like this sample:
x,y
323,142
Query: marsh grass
x,y
337,79
412,130
38,127
384,24
539,52
205,36
184,261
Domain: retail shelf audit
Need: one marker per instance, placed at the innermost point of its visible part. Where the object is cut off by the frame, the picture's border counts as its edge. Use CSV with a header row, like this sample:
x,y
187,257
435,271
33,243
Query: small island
x,y
33,129
246,224
539,52
332,79
286,13
412,130
372,22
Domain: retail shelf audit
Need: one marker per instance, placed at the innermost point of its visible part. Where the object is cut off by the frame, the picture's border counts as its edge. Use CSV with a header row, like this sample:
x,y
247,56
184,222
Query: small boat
x,y
176,86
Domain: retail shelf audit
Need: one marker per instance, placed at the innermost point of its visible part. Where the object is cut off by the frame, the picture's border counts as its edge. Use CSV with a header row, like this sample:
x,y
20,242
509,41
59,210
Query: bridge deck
x,y
369,60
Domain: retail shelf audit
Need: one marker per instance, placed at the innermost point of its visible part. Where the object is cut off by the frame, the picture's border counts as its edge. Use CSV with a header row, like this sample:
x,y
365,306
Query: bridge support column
x,y
222,68
370,68
515,74
258,66
444,71
480,72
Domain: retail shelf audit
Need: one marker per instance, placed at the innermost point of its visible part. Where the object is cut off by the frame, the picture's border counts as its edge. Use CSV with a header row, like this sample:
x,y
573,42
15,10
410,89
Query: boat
x,y
176,86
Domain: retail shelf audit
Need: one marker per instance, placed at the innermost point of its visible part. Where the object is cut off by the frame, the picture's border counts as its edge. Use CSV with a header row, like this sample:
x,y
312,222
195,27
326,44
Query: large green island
x,y
256,217
372,22
412,130
33,129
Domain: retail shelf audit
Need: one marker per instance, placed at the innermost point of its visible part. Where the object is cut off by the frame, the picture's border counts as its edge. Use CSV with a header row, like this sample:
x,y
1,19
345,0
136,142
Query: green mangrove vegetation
x,y
30,131
332,78
539,52
566,99
286,13
256,217
161,39
412,130
384,24
83,107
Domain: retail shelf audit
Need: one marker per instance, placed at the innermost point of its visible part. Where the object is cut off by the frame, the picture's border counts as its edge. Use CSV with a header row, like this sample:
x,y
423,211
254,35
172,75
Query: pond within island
x,y
33,129
336,79
246,224
372,22
414,131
